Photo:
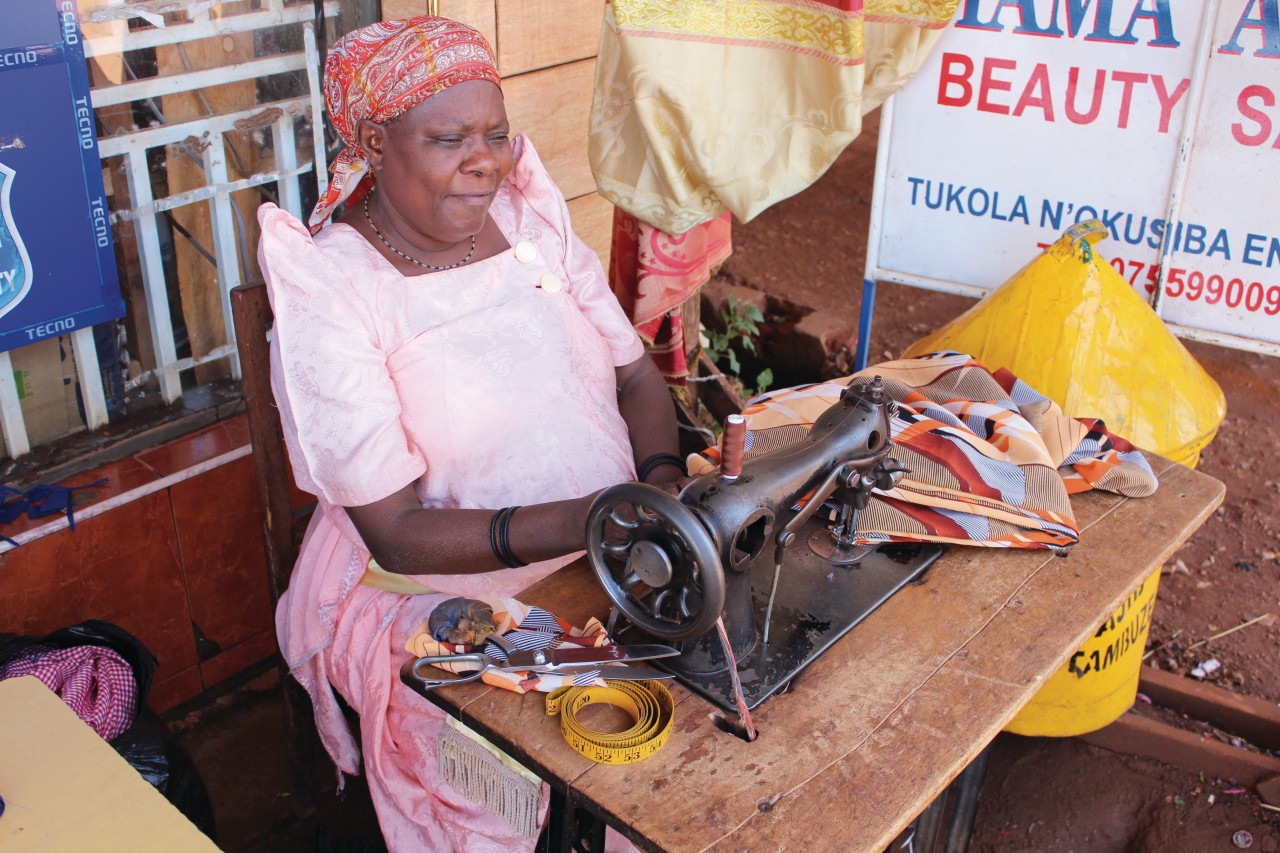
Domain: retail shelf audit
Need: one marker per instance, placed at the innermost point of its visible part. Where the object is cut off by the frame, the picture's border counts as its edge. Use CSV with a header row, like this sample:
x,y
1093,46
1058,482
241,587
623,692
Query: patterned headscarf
x,y
383,70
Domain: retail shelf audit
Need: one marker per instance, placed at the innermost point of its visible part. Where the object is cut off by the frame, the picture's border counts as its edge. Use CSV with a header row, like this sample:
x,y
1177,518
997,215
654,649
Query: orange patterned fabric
x,y
385,69
652,273
526,627
991,461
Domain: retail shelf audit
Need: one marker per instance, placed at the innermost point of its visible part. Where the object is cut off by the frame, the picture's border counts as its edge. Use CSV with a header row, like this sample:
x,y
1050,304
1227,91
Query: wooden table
x,y
874,730
65,788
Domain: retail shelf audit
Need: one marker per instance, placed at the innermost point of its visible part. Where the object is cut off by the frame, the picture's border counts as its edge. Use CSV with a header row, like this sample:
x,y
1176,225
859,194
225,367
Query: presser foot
x,y
824,544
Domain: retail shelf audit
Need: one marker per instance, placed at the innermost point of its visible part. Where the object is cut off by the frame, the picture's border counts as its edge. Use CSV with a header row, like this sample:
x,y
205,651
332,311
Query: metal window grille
x,y
283,39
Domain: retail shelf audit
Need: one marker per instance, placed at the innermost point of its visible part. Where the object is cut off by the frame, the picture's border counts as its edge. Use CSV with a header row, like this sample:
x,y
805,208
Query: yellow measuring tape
x,y
648,702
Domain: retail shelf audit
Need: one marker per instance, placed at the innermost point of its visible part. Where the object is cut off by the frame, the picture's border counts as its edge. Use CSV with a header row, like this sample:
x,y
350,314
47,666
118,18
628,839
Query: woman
x,y
443,352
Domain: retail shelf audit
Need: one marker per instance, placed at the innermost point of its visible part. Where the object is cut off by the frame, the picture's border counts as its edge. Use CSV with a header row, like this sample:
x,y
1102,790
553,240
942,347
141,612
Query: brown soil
x,y
1063,795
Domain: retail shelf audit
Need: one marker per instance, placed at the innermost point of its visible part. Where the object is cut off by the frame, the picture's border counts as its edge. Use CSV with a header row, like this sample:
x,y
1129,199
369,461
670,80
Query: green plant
x,y
741,326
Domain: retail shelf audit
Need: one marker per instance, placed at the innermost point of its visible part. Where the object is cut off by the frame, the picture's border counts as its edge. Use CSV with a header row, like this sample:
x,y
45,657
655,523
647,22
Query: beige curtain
x,y
703,106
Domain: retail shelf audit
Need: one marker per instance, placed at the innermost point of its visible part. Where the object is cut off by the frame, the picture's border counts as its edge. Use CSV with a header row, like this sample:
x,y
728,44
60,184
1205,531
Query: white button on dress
x,y
550,283
526,252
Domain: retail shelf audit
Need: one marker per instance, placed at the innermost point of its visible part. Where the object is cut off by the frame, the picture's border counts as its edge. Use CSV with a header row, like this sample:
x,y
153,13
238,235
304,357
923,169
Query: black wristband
x,y
493,534
505,555
657,460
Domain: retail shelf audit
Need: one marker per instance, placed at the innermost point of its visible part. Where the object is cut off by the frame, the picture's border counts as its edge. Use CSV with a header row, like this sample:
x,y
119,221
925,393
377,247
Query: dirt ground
x,y
1063,795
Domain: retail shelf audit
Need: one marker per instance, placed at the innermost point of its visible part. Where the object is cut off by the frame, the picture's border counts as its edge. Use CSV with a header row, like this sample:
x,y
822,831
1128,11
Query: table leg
x,y
966,788
570,829
956,807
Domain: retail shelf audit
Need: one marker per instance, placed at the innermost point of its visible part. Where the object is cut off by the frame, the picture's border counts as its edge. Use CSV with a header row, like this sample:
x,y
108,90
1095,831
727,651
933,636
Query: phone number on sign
x,y
1195,286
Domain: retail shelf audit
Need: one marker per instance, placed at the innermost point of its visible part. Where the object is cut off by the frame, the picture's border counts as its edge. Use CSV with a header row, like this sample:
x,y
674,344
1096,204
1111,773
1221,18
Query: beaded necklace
x,y
410,258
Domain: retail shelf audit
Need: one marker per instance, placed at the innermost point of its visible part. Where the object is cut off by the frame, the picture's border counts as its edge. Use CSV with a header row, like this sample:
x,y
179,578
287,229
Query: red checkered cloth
x,y
93,681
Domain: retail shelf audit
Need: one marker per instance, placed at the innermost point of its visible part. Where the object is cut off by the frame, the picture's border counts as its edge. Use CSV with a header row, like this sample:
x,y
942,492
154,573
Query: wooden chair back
x,y
251,316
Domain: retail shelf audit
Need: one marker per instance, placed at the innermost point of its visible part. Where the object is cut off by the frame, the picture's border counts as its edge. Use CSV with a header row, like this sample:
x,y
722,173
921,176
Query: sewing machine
x,y
767,544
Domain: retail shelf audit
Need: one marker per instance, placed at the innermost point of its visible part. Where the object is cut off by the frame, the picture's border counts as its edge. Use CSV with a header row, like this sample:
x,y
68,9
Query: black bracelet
x,y
657,460
493,534
503,548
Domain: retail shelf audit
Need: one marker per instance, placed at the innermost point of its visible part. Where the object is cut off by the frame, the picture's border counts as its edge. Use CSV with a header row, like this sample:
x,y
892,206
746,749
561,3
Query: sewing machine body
x,y
816,604
781,532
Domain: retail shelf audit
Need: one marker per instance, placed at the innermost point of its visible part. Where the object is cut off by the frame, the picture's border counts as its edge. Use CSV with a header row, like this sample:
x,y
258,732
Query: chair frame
x,y
252,318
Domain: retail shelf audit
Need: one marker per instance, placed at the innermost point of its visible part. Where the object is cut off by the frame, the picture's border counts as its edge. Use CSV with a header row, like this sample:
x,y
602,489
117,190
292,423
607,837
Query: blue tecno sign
x,y
57,264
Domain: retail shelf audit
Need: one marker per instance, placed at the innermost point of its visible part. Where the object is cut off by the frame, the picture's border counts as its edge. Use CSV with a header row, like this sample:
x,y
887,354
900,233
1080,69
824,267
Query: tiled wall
x,y
169,548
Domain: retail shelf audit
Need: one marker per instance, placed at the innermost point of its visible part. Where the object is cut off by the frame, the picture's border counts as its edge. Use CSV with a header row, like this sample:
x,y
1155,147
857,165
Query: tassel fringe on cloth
x,y
484,774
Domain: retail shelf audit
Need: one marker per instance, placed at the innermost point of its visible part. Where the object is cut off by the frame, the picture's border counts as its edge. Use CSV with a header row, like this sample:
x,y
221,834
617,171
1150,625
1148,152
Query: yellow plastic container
x,y
1099,682
1071,327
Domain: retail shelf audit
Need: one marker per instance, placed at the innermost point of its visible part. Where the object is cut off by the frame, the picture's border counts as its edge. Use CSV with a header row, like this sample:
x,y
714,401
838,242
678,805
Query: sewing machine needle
x,y
768,611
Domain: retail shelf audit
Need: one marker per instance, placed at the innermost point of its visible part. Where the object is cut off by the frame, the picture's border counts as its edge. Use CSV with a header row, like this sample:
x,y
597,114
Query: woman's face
x,y
439,164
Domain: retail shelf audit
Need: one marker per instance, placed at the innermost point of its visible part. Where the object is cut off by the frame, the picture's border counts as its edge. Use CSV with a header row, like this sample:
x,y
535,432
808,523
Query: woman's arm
x,y
646,406
408,539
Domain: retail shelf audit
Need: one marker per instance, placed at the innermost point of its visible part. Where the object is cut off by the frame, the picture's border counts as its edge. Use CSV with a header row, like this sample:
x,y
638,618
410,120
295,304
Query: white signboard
x,y
1160,118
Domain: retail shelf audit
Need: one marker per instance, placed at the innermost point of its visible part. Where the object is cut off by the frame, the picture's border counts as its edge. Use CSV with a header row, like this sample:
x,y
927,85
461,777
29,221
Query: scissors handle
x,y
429,682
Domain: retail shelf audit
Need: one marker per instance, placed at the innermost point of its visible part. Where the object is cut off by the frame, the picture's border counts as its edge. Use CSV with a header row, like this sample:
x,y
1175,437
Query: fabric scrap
x,y
94,681
990,461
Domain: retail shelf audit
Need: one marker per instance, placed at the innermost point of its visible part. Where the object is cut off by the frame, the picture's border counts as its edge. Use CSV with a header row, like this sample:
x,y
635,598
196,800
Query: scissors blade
x,y
532,659
632,673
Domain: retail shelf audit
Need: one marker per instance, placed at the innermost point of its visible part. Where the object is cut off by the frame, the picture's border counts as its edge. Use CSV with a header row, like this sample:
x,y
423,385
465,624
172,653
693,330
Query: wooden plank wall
x,y
547,56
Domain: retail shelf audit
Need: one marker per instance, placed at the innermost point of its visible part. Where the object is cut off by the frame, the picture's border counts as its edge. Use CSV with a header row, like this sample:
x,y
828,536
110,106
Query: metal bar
x,y
1178,184
871,272
928,283
52,524
15,427
1223,339
206,193
317,108
286,148
153,283
224,235
862,349
151,87
179,33
966,788
183,364
90,373
153,137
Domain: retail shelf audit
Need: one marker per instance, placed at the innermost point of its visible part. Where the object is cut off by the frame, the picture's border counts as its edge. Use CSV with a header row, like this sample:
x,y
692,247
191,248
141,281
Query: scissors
x,y
546,661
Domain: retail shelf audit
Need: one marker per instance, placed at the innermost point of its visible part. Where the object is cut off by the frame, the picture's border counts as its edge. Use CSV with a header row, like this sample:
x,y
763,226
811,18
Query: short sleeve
x,y
587,282
338,405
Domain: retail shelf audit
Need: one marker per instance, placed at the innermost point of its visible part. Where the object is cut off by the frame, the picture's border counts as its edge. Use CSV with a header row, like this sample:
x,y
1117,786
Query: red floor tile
x,y
220,534
121,566
122,476
237,430
190,450
238,658
174,690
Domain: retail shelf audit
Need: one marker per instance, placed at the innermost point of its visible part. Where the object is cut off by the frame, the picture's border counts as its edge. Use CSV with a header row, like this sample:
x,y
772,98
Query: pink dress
x,y
483,386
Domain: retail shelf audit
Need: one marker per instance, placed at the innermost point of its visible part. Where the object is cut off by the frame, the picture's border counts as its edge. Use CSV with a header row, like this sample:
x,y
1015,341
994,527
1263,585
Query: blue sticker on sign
x,y
15,265
57,261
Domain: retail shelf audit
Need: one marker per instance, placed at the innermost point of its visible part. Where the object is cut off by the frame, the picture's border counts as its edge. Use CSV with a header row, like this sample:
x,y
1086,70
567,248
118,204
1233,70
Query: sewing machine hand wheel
x,y
663,571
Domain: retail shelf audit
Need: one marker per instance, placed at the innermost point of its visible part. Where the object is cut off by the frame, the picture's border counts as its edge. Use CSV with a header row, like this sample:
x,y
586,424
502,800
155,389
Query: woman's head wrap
x,y
385,69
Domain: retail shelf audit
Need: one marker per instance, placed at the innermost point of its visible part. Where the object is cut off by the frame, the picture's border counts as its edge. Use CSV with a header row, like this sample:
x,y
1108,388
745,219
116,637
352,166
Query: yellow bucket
x,y
1098,683
1071,327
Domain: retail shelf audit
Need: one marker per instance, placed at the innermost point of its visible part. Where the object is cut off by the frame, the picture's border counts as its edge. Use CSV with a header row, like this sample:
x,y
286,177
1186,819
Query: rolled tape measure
x,y
648,702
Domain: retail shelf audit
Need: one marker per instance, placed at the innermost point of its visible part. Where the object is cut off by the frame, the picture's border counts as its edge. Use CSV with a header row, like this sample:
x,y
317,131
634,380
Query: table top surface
x,y
65,788
870,733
